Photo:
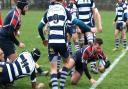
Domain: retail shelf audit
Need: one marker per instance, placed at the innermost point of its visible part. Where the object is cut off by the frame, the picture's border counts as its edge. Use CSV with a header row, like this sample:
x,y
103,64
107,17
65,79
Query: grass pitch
x,y
117,79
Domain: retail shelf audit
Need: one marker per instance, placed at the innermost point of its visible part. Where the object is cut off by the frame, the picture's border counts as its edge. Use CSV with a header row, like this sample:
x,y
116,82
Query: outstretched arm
x,y
85,68
33,79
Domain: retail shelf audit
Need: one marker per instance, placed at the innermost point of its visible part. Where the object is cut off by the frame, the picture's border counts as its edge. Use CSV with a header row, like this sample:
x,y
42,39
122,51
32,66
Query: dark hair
x,y
99,41
35,54
21,4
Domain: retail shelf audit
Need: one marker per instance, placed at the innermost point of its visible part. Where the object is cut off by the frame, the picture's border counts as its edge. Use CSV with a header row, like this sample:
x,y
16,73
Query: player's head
x,y
23,5
101,66
1,55
120,1
97,44
35,54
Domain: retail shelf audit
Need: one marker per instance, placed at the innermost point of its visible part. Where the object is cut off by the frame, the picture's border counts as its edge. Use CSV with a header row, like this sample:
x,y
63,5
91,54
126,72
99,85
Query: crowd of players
x,y
78,20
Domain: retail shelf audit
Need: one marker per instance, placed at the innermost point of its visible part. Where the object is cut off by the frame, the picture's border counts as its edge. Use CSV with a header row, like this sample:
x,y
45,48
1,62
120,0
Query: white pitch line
x,y
101,78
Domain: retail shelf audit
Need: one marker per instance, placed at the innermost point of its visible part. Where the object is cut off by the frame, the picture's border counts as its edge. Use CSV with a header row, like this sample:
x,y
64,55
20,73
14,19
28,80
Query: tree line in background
x,y
43,4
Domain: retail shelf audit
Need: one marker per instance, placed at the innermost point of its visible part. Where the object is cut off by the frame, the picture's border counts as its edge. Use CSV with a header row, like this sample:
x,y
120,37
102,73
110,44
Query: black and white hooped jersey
x,y
56,17
73,10
121,9
24,65
85,11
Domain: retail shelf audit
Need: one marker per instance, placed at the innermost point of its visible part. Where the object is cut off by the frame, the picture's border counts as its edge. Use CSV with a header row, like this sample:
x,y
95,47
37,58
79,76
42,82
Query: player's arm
x,y
116,16
41,28
13,23
98,20
14,26
13,38
88,75
125,17
33,79
85,62
85,57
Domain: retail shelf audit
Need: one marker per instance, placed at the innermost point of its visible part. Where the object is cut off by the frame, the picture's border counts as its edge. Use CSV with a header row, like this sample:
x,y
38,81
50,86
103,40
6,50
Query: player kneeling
x,y
23,66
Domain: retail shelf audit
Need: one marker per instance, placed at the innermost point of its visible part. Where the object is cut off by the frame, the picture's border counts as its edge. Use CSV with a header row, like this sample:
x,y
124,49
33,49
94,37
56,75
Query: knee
x,y
73,83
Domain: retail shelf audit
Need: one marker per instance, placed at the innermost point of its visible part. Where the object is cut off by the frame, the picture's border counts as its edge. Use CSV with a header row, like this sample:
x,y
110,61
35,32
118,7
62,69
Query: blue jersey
x,y
56,17
24,65
121,9
85,11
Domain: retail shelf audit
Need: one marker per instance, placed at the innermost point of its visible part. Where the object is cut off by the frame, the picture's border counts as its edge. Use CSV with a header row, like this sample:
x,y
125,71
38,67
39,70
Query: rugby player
x,y
10,29
119,21
24,65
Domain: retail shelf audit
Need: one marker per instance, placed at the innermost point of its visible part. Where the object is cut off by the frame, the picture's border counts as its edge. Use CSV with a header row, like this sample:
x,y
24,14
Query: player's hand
x,y
45,42
92,81
21,45
94,29
40,86
99,29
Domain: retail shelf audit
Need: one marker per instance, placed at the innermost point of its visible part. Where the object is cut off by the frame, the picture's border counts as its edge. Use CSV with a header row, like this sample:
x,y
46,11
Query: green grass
x,y
117,79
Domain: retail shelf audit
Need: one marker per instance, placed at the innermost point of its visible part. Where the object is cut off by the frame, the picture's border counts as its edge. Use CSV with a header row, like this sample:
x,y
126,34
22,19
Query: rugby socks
x,y
117,43
77,47
70,47
63,77
125,43
54,81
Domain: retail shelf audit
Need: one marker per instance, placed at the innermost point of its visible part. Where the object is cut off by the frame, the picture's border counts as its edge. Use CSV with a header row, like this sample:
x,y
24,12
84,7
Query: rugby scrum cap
x,y
35,54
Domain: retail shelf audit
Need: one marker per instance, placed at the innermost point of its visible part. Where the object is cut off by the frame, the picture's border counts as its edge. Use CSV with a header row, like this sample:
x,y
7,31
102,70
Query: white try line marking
x,y
101,78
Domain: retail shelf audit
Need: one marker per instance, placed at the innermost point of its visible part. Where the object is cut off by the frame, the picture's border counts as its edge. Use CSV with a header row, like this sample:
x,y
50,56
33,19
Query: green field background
x,y
117,79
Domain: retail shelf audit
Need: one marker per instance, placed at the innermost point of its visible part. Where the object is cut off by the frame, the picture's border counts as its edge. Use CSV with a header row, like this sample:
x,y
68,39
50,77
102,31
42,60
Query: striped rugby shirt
x,y
24,65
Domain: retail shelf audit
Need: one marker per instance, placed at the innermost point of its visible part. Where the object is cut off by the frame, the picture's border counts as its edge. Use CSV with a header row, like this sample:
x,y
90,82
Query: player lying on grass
x,y
85,55
23,66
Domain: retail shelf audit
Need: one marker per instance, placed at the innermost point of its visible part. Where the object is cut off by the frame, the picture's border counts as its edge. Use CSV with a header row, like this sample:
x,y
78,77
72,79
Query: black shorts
x,y
7,46
56,49
71,29
119,26
78,62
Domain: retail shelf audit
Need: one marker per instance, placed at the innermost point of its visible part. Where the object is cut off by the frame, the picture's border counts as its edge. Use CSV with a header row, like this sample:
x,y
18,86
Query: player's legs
x,y
53,55
66,66
89,36
12,57
69,36
119,27
116,38
41,71
8,49
58,63
75,78
75,39
123,33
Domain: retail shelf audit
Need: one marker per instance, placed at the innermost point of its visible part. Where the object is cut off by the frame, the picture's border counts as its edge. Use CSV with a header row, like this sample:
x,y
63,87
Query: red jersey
x,y
90,55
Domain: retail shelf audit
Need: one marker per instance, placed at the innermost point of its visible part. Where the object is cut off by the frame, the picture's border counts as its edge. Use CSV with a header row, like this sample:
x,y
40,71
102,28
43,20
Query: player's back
x,y
85,10
120,9
57,17
24,65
